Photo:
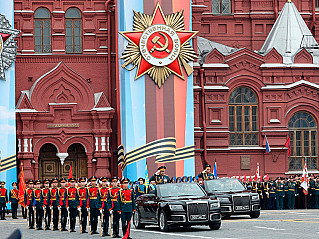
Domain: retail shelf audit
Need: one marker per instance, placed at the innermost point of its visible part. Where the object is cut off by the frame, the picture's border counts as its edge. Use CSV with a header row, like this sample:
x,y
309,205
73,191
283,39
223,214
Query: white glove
x,y
88,209
59,208
111,212
51,208
68,208
79,209
101,211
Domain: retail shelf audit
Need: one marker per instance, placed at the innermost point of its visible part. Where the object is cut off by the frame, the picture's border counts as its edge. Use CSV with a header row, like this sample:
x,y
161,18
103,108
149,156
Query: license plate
x,y
198,217
242,207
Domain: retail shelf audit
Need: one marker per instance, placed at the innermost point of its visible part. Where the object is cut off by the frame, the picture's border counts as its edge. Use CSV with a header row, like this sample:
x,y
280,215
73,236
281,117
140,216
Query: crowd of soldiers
x,y
286,193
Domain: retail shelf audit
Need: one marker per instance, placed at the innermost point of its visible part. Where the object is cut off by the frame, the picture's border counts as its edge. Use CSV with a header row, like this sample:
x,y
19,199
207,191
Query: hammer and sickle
x,y
163,47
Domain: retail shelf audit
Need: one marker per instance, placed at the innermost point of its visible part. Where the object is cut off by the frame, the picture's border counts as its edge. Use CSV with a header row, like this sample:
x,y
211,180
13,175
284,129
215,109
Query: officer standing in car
x,y
160,177
206,174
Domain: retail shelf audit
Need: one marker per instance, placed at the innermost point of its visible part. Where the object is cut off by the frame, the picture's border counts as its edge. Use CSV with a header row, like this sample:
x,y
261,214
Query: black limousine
x,y
234,198
177,204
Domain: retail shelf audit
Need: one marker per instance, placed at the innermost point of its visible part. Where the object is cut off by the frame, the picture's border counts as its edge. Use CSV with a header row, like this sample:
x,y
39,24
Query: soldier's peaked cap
x,y
14,183
3,183
46,181
141,179
114,179
82,179
208,166
63,180
72,180
93,178
162,168
30,181
37,181
125,180
103,179
54,180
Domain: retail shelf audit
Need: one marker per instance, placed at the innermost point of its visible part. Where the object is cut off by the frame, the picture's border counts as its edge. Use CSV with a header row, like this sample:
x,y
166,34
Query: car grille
x,y
197,211
241,202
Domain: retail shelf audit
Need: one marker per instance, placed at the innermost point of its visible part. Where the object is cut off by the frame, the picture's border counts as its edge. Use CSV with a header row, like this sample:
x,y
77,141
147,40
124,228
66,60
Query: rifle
x,y
35,217
44,217
80,220
112,225
60,225
52,218
89,216
102,221
69,219
26,209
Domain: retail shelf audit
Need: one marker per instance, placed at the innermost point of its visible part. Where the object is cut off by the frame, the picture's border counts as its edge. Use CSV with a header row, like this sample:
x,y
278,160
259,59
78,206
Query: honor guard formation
x,y
57,203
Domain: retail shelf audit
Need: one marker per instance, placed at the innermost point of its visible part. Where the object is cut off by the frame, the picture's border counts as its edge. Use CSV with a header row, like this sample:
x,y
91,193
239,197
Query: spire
x,y
289,34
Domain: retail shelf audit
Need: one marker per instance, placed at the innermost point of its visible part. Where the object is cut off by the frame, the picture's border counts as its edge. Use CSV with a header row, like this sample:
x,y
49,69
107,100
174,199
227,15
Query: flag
x,y
267,146
250,179
22,187
245,178
70,173
288,145
215,170
267,177
239,178
257,173
305,179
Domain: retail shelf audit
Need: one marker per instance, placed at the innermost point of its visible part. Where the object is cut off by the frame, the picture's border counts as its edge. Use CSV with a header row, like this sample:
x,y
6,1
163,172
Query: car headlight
x,y
214,205
255,197
176,207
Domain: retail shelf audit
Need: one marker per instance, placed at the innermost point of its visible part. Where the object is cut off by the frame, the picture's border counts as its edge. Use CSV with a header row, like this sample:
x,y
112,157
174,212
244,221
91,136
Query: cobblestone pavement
x,y
288,224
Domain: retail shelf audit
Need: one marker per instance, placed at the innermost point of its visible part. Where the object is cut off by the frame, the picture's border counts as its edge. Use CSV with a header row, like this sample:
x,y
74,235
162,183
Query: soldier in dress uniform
x,y
286,193
316,192
3,200
93,204
300,199
82,198
152,186
28,202
71,203
14,200
106,214
112,205
54,203
292,192
264,187
36,197
160,177
272,196
126,202
140,189
62,205
311,195
279,194
46,203
206,174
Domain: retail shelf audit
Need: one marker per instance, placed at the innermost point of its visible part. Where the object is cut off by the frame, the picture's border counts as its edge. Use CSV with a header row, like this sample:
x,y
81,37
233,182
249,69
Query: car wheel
x,y
254,214
162,222
137,220
215,226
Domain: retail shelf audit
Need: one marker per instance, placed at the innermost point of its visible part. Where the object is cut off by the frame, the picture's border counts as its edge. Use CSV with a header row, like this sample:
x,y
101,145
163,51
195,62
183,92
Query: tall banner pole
x,y
155,85
8,49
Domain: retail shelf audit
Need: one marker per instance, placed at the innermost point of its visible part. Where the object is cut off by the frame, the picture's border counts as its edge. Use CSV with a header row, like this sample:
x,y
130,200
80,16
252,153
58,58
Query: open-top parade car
x,y
177,204
234,198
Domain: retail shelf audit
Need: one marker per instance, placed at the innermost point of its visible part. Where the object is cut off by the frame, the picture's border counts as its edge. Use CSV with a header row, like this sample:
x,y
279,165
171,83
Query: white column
x,y
19,145
96,143
31,145
25,145
62,157
103,143
108,143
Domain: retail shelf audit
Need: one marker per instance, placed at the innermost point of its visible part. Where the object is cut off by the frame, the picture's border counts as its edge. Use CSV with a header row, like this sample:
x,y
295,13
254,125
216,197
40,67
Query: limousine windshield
x,y
224,185
180,189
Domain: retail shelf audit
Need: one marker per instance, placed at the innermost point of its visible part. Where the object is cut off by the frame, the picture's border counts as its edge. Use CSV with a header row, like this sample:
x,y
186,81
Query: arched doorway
x,y
304,145
49,163
77,159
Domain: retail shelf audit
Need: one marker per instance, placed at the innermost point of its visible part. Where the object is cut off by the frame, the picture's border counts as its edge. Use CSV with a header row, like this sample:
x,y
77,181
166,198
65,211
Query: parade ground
x,y
271,224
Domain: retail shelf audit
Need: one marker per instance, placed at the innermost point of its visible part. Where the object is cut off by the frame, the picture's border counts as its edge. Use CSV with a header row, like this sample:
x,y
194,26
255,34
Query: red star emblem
x,y
4,36
162,42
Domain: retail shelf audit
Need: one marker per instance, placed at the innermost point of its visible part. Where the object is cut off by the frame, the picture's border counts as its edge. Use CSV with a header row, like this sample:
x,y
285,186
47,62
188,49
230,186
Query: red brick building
x,y
245,87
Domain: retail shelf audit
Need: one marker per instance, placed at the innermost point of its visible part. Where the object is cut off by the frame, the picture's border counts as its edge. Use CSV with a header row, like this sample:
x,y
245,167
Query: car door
x,y
149,202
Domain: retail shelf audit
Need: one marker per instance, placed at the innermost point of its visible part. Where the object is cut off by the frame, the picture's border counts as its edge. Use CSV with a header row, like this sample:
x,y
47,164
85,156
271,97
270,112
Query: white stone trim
x,y
283,87
25,145
103,144
31,150
19,145
96,143
216,65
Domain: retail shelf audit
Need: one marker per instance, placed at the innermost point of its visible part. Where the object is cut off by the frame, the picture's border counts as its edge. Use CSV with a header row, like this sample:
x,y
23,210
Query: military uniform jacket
x,y
61,197
272,190
292,188
14,196
54,199
28,197
70,198
93,197
280,189
312,186
45,195
151,189
112,203
3,195
316,184
103,196
206,176
159,179
36,195
82,195
140,190
126,200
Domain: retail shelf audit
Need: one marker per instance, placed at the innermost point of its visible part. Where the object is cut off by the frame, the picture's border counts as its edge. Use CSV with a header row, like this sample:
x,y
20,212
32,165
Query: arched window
x,y
42,31
73,31
243,117
303,135
221,6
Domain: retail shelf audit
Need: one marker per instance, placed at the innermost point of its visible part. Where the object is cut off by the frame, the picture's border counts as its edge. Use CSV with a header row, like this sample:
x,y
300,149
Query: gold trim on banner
x,y
8,163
